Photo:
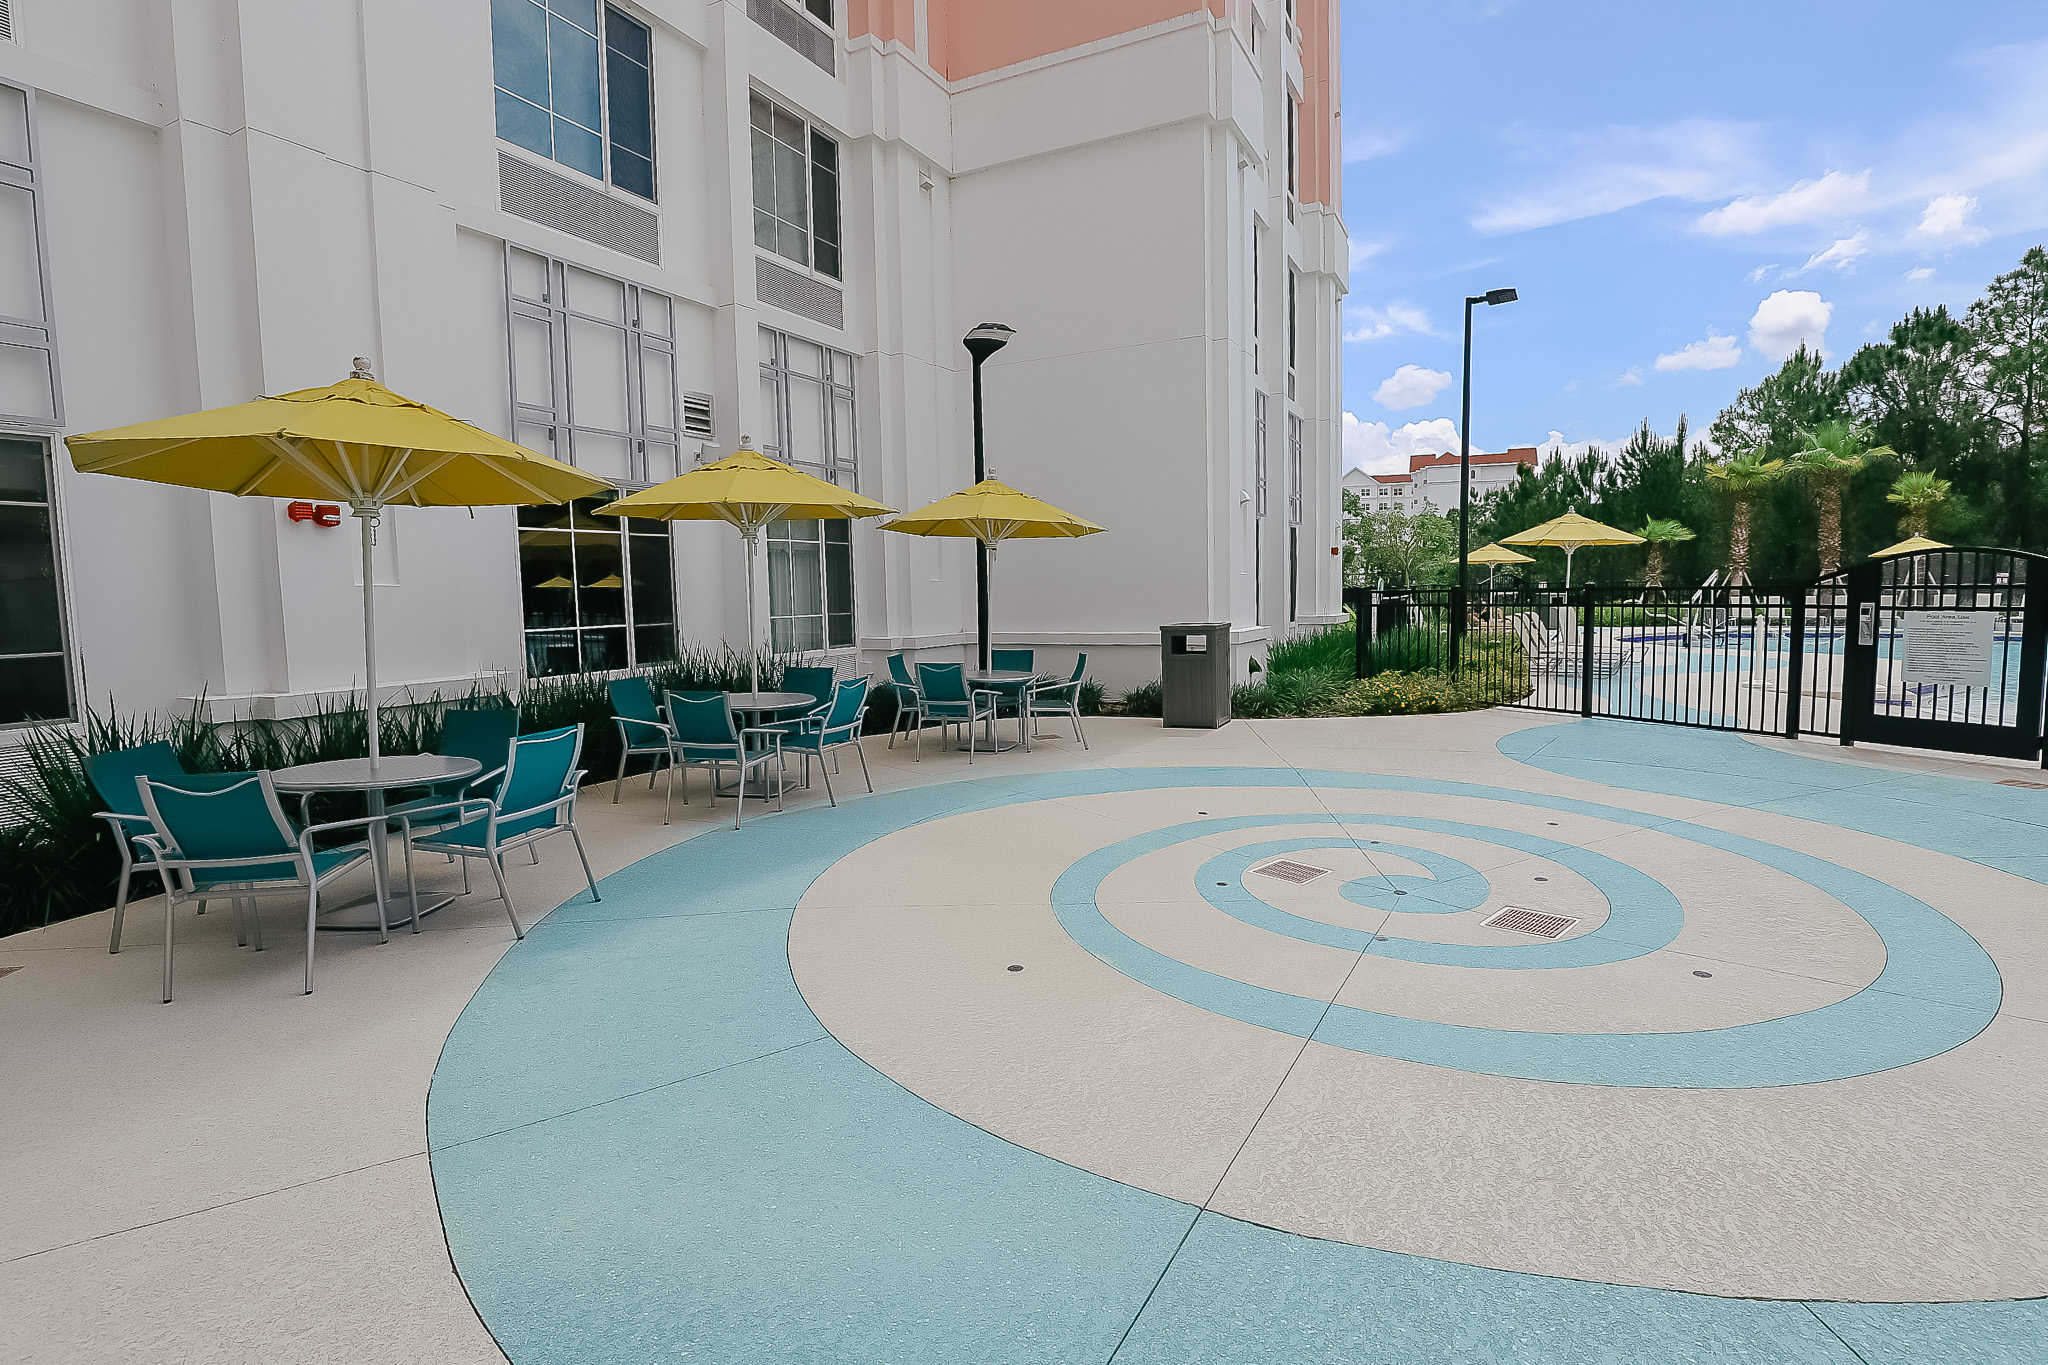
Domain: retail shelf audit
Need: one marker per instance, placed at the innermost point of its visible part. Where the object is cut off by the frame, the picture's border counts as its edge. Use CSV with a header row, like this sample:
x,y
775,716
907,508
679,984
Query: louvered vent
x,y
698,419
15,771
785,22
6,22
554,201
798,294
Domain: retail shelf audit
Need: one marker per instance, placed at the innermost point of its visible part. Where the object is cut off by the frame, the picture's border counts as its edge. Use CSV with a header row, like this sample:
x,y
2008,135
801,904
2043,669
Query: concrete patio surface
x,y
1031,1061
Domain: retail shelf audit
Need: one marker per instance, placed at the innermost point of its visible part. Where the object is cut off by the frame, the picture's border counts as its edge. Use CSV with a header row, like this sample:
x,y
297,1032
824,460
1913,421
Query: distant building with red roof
x,y
1432,480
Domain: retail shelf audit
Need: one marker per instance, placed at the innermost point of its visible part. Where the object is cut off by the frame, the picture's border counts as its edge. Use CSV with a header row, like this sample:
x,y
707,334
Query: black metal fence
x,y
1758,660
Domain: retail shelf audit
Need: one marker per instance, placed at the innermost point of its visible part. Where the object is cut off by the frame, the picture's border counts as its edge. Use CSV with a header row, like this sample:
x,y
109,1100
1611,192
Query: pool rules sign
x,y
1946,648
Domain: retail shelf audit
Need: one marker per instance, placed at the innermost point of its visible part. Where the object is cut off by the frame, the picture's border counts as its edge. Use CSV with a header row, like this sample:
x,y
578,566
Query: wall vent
x,y
789,24
698,418
560,203
798,294
17,770
6,22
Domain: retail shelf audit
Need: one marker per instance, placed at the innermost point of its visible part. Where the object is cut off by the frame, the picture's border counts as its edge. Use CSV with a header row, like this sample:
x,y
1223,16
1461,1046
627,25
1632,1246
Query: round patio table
x,y
754,708
999,679
391,773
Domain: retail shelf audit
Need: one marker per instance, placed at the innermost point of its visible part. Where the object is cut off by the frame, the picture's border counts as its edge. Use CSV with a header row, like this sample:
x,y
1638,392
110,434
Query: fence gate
x,y
1946,649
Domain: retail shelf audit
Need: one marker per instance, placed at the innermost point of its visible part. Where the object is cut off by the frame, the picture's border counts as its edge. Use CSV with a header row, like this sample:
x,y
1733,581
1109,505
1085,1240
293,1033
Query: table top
x,y
770,701
356,774
1000,675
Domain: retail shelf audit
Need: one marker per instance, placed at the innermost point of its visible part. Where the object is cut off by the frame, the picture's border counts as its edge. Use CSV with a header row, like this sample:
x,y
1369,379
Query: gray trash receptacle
x,y
1194,675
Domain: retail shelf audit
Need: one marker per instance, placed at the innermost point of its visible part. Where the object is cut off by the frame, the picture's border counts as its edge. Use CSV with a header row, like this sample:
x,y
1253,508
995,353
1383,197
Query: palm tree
x,y
1744,477
1834,452
1920,493
1657,533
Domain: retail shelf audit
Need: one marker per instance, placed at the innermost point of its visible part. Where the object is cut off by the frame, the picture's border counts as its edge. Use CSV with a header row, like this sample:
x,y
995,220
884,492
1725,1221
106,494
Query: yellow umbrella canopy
x,y
1911,545
749,490
1571,533
992,512
355,442
1493,556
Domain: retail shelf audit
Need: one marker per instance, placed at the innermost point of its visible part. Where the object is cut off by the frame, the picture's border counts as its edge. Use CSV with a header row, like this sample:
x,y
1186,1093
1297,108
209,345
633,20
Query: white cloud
x,y
1610,169
1556,444
1368,323
1379,449
1947,219
1361,252
1761,273
1919,273
1787,318
1370,144
1714,353
1834,195
1410,387
1630,378
1845,252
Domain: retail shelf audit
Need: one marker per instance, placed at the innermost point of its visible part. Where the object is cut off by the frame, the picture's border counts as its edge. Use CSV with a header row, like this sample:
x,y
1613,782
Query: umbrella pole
x,y
366,517
753,652
989,584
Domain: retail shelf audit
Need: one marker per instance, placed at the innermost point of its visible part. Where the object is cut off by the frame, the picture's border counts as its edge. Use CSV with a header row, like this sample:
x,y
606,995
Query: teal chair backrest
x,y
847,700
815,682
1012,660
943,683
703,720
113,774
1080,668
484,733
633,698
540,768
899,672
219,815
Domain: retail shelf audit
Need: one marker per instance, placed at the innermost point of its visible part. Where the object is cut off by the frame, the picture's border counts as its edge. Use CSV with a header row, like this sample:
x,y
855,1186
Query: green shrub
x,y
1408,649
1143,700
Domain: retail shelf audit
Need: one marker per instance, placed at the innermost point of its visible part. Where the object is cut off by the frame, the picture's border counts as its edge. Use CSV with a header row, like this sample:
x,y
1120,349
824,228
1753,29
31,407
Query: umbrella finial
x,y
361,369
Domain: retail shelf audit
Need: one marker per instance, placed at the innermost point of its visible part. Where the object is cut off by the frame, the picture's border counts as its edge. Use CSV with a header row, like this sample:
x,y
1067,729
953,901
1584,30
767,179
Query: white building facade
x,y
1432,481
633,236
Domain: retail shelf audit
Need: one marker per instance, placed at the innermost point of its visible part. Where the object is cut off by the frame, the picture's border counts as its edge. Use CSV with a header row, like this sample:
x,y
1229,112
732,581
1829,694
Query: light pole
x,y
983,342
1493,298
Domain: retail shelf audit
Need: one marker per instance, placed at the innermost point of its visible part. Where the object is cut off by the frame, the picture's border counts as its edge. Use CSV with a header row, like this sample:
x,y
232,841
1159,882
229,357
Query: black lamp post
x,y
983,342
1460,609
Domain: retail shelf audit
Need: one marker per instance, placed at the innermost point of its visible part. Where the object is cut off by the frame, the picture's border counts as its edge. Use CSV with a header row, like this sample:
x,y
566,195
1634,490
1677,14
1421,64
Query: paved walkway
x,y
1038,1061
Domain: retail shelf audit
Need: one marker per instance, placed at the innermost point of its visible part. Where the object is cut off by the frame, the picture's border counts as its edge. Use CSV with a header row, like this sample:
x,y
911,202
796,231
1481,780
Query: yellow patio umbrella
x,y
1911,545
1571,533
747,490
992,512
1493,556
558,581
355,442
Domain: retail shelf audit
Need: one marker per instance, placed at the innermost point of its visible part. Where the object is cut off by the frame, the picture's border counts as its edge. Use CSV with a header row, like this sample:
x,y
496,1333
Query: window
x,y
1258,254
28,346
593,363
1294,489
1260,435
35,675
807,394
1293,138
796,188
598,592
575,84
821,10
1293,324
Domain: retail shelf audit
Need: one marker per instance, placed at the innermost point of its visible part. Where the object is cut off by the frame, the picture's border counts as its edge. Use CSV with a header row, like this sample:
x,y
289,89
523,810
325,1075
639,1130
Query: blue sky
x,y
1680,191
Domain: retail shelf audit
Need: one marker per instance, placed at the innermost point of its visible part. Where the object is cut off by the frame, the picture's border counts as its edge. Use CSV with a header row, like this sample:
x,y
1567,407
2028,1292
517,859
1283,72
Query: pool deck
x,y
1031,1061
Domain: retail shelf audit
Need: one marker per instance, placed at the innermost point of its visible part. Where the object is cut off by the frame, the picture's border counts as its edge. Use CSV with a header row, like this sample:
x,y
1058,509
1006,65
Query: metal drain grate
x,y
1287,870
1517,920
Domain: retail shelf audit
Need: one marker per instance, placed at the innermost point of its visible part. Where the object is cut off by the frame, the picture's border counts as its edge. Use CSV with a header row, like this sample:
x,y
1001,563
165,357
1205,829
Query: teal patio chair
x,y
705,732
643,732
1014,699
815,682
224,834
484,733
1013,660
1061,699
946,699
114,776
909,701
838,728
536,799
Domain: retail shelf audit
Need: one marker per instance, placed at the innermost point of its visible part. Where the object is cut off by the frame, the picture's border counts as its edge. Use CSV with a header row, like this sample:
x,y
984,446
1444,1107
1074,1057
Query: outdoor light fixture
x,y
981,343
1492,298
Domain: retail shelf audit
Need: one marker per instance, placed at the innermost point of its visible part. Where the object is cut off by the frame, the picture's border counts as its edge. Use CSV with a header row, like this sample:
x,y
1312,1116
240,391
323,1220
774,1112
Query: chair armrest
x,y
662,734
159,850
464,808
118,823
764,731
481,778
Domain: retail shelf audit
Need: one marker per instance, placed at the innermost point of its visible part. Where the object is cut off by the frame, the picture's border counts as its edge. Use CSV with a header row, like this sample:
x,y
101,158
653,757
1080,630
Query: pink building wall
x,y
1322,152
968,37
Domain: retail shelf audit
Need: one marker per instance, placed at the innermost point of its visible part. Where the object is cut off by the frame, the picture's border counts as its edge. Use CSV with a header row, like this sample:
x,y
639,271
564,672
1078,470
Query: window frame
x,y
553,310
605,12
1296,440
813,133
51,505
840,465
32,334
